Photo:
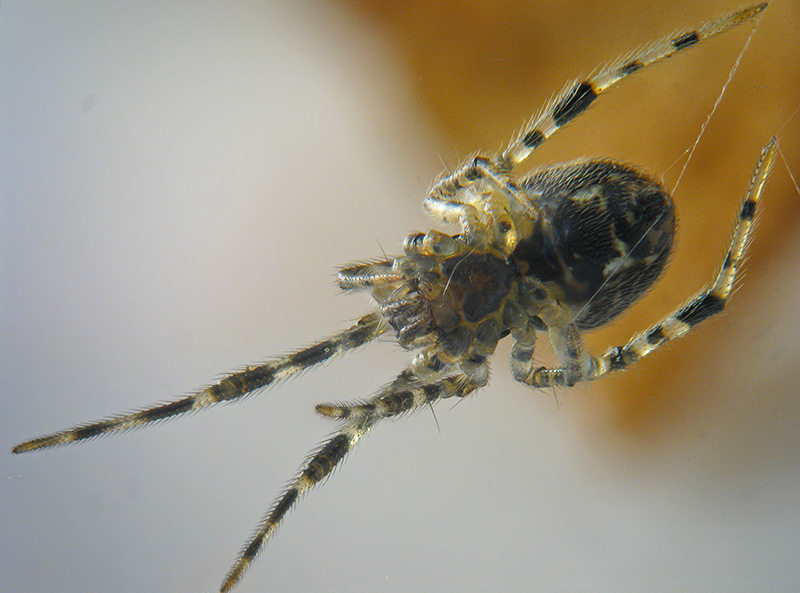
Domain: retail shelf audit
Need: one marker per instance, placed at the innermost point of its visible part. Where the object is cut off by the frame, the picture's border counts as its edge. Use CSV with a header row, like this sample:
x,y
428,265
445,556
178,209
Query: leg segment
x,y
396,398
576,98
368,275
230,388
577,364
483,200
394,402
319,466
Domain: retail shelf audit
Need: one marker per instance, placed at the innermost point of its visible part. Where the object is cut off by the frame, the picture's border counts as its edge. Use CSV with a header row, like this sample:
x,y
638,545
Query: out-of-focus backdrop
x,y
179,183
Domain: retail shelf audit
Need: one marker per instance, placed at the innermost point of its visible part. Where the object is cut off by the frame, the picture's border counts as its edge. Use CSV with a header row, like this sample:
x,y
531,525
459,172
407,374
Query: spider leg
x,y
577,364
708,302
577,97
481,196
524,345
318,466
367,275
396,398
231,388
394,402
702,306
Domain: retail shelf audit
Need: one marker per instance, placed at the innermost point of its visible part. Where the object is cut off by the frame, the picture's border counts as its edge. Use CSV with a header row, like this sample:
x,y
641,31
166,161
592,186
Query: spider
x,y
564,250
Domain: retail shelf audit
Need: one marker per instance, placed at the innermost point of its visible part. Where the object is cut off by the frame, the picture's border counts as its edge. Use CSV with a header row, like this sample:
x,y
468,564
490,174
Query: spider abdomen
x,y
603,238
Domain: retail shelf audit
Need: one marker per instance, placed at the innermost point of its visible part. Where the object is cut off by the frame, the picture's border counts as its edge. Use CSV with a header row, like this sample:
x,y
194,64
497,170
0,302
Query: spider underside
x,y
563,250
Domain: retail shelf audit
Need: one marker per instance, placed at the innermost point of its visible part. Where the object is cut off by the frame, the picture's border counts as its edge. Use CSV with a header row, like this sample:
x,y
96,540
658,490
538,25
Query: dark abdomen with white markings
x,y
604,237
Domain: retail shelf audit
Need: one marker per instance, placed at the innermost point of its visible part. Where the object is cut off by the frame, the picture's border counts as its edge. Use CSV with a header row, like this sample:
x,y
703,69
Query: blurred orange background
x,y
182,180
481,69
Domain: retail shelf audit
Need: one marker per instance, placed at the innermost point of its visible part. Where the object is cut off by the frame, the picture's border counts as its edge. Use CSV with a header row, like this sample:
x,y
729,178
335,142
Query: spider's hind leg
x,y
231,388
707,303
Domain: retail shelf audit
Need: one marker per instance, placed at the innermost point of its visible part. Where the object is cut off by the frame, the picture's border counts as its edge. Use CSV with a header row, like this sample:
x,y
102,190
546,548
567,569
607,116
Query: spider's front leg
x,y
318,466
483,199
405,396
415,295
402,395
231,388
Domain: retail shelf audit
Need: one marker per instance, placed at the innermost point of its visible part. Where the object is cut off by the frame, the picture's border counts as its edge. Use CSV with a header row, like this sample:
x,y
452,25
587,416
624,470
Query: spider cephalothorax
x,y
450,305
563,250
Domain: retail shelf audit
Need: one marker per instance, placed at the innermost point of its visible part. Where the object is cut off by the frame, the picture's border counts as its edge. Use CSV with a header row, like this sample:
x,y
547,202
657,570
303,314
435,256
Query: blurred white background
x,y
179,183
